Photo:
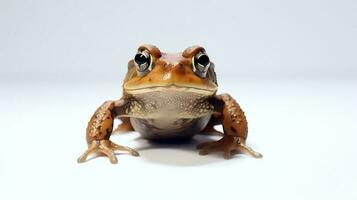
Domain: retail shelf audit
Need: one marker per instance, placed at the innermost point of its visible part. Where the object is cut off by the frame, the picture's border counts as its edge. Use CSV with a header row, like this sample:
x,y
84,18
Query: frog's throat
x,y
204,91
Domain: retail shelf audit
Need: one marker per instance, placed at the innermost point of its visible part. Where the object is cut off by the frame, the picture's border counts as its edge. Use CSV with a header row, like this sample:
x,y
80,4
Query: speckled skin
x,y
171,102
169,115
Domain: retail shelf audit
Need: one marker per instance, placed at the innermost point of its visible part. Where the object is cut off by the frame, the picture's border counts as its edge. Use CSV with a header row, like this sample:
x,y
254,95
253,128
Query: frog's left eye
x,y
143,62
201,63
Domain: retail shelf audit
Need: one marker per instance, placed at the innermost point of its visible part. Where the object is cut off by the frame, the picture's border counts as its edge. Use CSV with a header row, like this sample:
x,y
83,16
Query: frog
x,y
169,97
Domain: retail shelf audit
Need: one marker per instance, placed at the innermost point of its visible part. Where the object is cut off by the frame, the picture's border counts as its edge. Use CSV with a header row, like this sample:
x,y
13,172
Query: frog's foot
x,y
107,148
229,145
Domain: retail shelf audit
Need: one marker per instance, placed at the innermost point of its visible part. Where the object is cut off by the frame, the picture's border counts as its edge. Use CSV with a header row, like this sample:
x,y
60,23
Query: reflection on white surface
x,y
305,130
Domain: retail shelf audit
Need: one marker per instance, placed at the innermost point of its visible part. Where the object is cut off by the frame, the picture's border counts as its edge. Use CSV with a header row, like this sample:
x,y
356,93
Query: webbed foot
x,y
106,148
230,145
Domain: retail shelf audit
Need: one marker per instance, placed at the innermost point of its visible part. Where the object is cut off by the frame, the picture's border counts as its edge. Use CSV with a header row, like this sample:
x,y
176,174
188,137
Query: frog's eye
x,y
201,63
143,62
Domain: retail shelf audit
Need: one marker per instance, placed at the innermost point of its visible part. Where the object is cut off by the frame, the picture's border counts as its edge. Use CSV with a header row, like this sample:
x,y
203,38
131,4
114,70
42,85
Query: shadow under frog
x,y
177,153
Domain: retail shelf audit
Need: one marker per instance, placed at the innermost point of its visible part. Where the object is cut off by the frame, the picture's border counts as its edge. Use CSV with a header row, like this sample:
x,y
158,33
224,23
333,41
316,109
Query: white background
x,y
291,65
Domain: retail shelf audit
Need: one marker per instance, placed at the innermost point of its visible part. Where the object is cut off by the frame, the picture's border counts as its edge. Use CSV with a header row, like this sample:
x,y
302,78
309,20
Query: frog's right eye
x,y
201,63
143,62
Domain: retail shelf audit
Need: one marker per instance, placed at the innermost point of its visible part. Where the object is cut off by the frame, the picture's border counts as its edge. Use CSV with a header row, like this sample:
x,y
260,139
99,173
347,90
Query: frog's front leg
x,y
99,130
235,129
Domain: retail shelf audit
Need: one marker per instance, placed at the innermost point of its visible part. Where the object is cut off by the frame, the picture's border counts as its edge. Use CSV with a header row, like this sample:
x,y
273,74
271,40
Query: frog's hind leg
x,y
210,130
235,128
125,126
216,119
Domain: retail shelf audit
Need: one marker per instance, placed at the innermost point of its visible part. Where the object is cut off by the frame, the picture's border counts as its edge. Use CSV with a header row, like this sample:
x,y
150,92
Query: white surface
x,y
306,131
54,56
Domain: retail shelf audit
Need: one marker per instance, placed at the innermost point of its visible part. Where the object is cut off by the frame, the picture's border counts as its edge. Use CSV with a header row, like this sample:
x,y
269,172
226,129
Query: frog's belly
x,y
169,128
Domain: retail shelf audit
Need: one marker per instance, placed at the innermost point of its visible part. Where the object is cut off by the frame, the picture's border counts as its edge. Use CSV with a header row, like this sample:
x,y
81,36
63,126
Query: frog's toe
x,y
133,152
209,147
92,149
106,148
241,147
229,145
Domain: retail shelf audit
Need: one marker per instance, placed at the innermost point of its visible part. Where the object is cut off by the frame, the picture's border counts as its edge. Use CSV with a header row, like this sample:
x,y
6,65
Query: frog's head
x,y
152,70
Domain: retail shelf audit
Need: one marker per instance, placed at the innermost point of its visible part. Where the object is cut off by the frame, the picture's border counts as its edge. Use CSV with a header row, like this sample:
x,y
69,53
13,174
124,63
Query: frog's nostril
x,y
181,67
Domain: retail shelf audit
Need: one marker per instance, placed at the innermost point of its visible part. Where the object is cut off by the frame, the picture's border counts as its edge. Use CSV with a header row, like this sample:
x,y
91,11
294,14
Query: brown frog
x,y
169,97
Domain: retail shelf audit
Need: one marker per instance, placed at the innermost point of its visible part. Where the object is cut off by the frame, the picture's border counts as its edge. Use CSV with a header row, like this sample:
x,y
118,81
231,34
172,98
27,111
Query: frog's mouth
x,y
174,88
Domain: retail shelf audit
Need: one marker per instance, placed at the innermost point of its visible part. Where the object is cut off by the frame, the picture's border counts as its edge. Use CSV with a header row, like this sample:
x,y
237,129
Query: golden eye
x,y
201,64
143,62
